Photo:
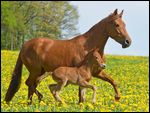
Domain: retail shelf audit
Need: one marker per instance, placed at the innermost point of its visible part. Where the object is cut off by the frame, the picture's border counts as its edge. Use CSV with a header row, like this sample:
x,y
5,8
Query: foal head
x,y
115,28
93,57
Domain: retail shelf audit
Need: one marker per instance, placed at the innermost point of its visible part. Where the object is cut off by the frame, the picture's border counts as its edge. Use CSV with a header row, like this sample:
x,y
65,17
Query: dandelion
x,y
130,73
90,106
42,103
37,110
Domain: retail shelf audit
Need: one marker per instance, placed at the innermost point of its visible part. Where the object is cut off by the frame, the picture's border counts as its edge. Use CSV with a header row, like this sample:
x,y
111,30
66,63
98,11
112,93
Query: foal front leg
x,y
82,94
85,84
102,75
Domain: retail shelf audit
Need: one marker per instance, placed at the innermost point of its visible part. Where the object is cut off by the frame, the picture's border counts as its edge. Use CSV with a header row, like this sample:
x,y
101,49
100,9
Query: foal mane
x,y
87,56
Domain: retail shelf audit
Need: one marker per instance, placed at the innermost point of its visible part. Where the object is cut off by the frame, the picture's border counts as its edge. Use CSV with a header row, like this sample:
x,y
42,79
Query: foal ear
x,y
115,12
121,14
97,49
95,53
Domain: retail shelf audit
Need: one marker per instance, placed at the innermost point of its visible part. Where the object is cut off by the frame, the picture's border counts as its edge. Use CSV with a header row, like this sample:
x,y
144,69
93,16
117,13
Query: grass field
x,y
130,73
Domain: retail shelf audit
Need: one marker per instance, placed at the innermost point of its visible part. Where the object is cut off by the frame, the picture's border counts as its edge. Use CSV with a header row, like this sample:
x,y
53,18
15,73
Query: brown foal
x,y
80,75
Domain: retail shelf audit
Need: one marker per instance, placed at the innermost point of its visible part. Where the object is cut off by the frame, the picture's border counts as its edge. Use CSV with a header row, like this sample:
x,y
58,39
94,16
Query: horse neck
x,y
96,37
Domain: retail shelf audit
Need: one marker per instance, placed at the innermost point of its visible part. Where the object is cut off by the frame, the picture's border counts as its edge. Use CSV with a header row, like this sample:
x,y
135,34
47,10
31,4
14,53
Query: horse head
x,y
116,29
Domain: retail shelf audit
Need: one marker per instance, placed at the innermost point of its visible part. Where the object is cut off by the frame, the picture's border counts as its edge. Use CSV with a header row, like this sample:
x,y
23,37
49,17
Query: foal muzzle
x,y
103,66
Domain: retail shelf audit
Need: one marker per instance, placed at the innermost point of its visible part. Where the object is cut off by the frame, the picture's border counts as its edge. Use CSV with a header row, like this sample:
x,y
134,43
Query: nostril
x,y
127,42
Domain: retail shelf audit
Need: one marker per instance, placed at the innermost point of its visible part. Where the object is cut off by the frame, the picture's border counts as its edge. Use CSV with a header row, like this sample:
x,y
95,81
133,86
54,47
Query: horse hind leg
x,y
32,89
32,83
38,80
40,96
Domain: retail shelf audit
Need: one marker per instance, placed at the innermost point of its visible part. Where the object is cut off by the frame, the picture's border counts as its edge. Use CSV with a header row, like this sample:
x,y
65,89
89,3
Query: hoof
x,y
117,98
40,98
7,103
81,101
93,101
29,103
51,89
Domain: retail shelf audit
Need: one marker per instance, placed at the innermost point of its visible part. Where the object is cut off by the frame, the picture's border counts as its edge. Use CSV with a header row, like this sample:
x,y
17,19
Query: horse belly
x,y
50,54
59,55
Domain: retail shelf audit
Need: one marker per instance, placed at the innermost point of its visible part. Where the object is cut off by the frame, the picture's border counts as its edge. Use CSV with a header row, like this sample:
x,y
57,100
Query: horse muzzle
x,y
126,43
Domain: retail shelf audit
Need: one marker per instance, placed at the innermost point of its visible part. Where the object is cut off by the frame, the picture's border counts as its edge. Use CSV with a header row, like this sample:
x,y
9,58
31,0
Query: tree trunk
x,y
12,42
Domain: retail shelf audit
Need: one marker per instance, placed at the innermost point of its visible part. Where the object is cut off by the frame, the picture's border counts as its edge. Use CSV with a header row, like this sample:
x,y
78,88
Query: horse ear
x,y
121,13
115,12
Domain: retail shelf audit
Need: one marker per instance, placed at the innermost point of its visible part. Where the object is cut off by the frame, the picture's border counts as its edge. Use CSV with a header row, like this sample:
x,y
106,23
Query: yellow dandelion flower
x,y
42,103
37,110
90,106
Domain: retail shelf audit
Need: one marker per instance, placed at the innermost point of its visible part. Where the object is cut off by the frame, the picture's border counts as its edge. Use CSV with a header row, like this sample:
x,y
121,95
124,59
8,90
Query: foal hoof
x,y
117,98
51,88
29,103
93,101
40,98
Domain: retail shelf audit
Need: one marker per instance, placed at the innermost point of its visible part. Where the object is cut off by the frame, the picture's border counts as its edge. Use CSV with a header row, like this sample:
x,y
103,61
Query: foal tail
x,y
15,80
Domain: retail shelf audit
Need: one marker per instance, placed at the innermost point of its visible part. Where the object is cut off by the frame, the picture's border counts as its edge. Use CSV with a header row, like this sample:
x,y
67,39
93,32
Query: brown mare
x,y
41,55
80,75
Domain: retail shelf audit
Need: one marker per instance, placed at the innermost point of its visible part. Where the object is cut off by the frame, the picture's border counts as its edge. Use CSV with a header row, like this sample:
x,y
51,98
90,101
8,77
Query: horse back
x,y
50,54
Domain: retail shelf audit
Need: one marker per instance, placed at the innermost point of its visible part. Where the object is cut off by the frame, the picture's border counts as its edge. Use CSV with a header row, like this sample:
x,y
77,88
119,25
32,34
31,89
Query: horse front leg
x,y
102,75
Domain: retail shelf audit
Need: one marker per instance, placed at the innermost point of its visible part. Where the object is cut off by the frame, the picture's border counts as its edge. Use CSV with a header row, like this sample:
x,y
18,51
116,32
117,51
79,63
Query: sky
x,y
136,17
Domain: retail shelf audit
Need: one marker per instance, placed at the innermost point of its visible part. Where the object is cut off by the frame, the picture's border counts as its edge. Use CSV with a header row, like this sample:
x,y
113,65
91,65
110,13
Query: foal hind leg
x,y
53,89
56,88
59,88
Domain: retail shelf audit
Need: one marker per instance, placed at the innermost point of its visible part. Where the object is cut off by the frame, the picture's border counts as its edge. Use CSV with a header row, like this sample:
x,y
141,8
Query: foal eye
x,y
117,25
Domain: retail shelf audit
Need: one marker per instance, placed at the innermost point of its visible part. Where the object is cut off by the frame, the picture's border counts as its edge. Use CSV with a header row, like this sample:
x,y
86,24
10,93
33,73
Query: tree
x,y
8,24
23,20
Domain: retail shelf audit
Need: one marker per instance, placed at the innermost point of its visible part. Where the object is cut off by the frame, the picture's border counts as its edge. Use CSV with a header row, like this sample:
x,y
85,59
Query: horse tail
x,y
15,80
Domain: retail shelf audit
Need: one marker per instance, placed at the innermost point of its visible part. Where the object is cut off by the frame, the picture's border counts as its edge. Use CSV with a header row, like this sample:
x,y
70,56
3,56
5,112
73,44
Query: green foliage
x,y
130,73
23,20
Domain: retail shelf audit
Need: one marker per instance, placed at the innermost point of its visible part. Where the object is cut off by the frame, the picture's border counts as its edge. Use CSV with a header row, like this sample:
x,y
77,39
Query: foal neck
x,y
86,66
